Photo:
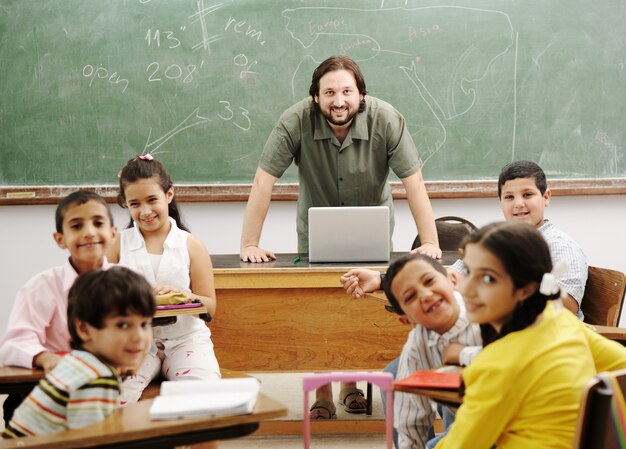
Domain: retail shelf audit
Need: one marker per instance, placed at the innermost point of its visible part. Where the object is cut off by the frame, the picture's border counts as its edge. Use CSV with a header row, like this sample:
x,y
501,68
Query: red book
x,y
431,379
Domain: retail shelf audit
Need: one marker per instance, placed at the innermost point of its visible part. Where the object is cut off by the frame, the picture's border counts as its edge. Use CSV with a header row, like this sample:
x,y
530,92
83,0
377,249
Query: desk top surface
x,y
132,423
295,261
450,398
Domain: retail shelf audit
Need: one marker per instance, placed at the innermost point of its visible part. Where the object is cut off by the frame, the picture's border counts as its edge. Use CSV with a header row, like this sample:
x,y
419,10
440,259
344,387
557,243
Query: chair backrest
x,y
595,428
451,231
604,296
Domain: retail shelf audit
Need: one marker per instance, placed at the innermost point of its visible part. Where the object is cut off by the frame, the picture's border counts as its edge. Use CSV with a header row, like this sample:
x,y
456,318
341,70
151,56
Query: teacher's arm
x,y
254,217
422,212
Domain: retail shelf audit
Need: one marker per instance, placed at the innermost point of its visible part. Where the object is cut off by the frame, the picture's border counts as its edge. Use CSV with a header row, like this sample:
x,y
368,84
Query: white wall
x,y
596,222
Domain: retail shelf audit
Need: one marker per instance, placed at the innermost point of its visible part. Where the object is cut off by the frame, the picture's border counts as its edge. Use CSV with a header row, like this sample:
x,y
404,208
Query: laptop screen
x,y
349,234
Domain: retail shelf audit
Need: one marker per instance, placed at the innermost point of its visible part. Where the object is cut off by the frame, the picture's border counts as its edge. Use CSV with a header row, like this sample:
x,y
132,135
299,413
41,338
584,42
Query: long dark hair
x,y
525,255
333,64
145,167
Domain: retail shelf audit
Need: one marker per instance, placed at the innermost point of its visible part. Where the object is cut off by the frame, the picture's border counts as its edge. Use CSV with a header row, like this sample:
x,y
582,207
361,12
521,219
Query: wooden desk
x,y
130,427
612,333
286,316
14,379
450,398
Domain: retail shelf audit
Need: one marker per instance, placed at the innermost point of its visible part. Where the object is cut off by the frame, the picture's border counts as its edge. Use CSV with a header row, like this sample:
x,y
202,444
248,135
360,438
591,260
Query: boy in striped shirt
x,y
419,289
109,316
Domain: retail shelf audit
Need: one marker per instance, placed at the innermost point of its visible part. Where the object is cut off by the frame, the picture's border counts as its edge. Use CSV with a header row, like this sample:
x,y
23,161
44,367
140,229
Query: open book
x,y
196,398
431,379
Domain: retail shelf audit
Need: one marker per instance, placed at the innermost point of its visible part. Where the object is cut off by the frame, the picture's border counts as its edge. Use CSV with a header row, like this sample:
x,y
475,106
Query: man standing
x,y
344,145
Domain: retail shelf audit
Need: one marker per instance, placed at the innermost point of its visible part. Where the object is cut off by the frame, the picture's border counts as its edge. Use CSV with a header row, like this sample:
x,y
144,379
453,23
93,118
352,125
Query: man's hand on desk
x,y
359,281
255,254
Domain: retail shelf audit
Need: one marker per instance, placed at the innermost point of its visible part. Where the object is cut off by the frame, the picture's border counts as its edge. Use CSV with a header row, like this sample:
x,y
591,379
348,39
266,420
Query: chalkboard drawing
x,y
202,83
445,78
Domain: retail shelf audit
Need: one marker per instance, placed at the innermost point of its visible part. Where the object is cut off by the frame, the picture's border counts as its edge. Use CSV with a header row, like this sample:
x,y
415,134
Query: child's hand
x,y
162,289
451,355
47,360
357,282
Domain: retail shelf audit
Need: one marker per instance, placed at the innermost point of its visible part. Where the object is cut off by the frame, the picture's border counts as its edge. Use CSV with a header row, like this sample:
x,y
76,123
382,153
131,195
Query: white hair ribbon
x,y
146,157
549,285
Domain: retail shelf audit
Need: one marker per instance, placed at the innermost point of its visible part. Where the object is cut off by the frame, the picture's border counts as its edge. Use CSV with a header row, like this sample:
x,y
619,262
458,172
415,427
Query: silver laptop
x,y
349,234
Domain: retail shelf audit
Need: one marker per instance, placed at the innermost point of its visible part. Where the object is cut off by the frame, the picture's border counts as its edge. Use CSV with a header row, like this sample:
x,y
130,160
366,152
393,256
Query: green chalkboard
x,y
87,84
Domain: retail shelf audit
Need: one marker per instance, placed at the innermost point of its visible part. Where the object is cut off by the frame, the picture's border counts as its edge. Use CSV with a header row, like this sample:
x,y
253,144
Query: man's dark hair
x,y
333,64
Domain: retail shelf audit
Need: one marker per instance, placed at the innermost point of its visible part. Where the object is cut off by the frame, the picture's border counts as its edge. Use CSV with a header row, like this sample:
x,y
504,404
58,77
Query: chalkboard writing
x,y
86,84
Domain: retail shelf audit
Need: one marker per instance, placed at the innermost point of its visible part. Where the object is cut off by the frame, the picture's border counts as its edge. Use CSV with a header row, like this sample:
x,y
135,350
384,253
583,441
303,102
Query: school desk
x,y
450,398
131,427
612,333
14,379
292,315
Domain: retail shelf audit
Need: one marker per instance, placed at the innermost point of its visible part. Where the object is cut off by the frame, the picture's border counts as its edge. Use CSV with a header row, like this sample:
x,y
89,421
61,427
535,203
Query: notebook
x,y
349,234
216,397
431,379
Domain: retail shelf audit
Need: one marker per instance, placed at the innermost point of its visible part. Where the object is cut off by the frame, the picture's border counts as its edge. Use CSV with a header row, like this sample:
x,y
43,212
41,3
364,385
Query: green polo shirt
x,y
332,174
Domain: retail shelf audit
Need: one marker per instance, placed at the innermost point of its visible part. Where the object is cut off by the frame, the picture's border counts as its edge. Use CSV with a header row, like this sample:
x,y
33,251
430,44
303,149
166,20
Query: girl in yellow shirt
x,y
523,390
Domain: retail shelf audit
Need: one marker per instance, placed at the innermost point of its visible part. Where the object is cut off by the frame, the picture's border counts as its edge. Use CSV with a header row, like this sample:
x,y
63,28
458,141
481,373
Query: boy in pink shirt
x,y
37,332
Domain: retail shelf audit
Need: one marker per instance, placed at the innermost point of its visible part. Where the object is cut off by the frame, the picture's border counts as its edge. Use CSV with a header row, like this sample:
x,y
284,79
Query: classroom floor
x,y
318,442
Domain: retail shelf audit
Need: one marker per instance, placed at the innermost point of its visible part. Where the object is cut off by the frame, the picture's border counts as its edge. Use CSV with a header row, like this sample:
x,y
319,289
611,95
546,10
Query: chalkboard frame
x,y
207,193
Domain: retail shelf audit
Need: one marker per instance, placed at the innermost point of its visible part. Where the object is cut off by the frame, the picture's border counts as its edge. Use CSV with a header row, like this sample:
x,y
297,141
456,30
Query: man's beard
x,y
341,122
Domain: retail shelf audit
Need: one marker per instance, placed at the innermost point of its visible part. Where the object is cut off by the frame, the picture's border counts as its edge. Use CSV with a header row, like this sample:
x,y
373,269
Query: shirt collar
x,y
69,274
461,324
545,226
137,241
358,130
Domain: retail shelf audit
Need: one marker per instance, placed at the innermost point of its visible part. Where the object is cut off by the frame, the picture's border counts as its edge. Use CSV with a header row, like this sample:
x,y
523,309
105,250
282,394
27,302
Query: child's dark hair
x,y
525,256
523,169
397,266
100,294
145,167
76,199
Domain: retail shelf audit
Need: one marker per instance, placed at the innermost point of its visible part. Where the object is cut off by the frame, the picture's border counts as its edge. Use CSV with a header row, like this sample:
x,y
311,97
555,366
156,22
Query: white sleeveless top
x,y
173,270
174,265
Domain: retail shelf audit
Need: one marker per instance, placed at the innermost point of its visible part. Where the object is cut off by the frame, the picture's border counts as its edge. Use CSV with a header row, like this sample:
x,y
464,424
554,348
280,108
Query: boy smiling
x,y
524,195
419,289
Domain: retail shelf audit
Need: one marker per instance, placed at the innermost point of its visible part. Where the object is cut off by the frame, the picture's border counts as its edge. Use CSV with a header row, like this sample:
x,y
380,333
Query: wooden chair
x,y
604,296
595,427
451,231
